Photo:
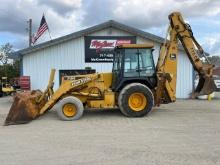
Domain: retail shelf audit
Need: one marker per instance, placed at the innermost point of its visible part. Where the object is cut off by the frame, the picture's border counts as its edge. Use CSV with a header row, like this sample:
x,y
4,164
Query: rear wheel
x,y
135,100
69,108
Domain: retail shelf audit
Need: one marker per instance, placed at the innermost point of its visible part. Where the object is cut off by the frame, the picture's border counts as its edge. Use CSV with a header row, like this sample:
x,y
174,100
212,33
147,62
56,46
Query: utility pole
x,y
30,31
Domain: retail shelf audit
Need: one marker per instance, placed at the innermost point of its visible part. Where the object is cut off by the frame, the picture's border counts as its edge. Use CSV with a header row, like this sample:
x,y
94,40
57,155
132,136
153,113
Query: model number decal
x,y
81,81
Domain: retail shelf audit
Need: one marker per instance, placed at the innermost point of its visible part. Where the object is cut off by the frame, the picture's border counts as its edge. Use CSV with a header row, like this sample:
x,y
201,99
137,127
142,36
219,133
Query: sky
x,y
68,16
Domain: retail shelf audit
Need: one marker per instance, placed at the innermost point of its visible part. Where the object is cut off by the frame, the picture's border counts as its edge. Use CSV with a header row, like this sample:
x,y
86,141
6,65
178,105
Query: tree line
x,y
8,68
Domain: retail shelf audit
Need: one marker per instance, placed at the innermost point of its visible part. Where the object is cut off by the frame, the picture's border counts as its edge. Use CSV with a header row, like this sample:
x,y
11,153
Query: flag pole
x,y
48,29
49,33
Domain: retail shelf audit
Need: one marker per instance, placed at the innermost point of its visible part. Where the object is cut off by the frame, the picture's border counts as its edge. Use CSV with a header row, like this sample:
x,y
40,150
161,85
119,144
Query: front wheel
x,y
69,108
135,100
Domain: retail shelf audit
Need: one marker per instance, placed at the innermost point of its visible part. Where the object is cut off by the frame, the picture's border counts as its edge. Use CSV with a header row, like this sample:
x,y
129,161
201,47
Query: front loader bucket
x,y
205,86
24,108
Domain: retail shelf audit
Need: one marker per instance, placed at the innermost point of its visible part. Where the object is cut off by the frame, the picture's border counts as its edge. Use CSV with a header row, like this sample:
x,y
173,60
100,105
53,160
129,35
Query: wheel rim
x,y
69,110
137,101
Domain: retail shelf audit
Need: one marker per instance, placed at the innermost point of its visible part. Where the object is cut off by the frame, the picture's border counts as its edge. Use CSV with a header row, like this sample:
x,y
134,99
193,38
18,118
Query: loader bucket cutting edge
x,y
24,108
205,86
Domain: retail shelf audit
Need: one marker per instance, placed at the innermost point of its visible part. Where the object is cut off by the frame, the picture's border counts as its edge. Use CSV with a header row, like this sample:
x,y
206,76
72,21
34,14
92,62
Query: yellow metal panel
x,y
107,78
95,103
109,99
108,102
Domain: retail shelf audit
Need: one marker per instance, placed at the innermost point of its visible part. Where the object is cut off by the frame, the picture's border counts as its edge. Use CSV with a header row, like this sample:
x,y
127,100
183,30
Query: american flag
x,y
43,27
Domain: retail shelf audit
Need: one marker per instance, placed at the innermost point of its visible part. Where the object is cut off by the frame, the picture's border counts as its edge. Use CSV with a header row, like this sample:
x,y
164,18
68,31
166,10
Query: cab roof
x,y
147,45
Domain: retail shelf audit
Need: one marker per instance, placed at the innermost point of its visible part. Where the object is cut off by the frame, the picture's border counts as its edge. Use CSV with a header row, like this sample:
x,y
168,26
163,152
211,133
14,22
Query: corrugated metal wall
x,y
70,55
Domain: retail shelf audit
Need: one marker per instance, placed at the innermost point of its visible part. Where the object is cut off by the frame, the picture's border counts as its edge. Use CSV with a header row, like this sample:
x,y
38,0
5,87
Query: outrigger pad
x,y
24,108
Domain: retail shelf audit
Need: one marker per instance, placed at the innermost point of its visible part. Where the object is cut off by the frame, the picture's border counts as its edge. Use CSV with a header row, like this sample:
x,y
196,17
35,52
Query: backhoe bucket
x,y
205,86
25,108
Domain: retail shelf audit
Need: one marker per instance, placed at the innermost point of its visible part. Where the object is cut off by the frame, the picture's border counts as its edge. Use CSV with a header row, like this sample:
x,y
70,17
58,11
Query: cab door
x,y
117,68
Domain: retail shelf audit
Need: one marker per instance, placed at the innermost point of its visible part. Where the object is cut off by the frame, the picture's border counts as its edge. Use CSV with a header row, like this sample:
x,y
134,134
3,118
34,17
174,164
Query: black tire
x,y
127,91
1,94
69,100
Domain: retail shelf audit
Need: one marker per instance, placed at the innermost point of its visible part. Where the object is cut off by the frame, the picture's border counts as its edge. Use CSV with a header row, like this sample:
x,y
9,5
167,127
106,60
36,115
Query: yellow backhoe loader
x,y
134,86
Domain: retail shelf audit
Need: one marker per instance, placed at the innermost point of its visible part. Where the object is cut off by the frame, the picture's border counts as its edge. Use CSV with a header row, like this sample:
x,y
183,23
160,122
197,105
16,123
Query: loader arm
x,y
167,62
65,88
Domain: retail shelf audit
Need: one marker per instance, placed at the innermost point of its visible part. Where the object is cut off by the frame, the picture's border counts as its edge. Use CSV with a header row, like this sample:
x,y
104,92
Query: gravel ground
x,y
186,132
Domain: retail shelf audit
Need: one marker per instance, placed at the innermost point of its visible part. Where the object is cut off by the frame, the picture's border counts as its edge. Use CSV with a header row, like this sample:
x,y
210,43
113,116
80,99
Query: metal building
x,y
71,52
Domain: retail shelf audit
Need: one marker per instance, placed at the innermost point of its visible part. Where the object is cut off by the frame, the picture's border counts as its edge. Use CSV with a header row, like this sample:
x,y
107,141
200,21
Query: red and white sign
x,y
107,44
101,48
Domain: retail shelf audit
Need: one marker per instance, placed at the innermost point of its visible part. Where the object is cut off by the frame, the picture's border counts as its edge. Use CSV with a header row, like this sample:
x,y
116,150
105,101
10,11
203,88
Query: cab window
x,y
138,62
146,62
131,63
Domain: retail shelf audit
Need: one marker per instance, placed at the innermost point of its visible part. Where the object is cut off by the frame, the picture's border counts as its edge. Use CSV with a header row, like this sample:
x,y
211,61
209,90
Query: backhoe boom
x,y
167,62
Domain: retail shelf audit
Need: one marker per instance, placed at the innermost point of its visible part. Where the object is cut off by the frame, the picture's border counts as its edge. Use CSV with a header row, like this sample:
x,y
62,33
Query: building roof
x,y
87,31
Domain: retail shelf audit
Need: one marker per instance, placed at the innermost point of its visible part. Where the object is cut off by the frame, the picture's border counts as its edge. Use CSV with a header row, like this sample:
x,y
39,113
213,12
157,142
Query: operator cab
x,y
133,63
